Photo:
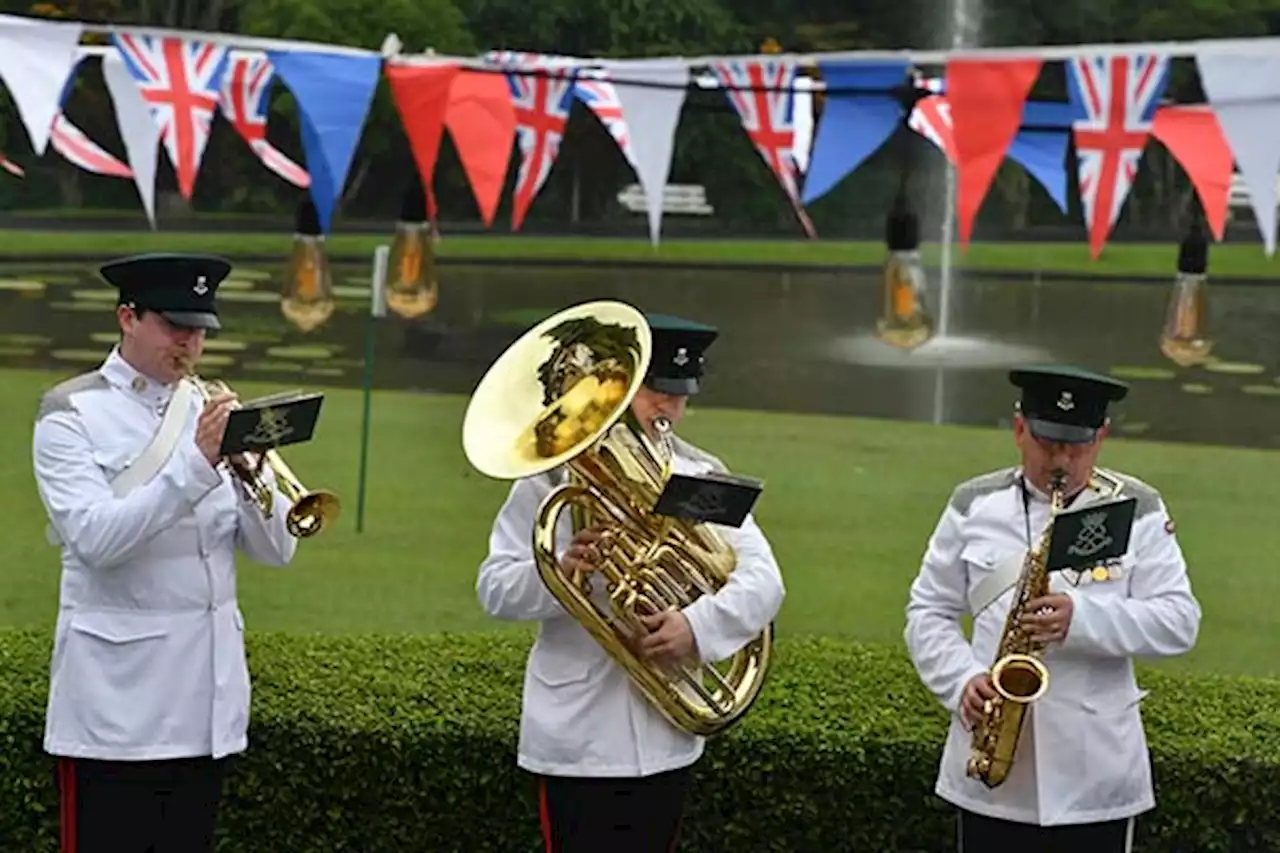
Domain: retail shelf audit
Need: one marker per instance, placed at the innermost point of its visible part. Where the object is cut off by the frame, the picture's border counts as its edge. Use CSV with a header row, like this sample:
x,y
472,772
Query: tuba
x,y
1019,674
560,398
309,512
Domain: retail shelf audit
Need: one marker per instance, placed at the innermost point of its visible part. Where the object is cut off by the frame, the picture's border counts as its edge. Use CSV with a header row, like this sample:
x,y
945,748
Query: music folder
x,y
1091,534
275,420
715,498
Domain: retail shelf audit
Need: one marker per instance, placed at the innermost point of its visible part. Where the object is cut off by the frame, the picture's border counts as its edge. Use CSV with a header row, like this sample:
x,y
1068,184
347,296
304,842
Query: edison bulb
x,y
308,300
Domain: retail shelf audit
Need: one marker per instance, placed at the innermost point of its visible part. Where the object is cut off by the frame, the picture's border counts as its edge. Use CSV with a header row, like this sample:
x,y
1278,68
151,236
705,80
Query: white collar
x,y
126,377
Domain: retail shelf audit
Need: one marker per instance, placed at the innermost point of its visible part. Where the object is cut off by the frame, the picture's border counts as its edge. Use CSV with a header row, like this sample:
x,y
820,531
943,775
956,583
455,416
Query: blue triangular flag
x,y
334,93
853,125
1041,145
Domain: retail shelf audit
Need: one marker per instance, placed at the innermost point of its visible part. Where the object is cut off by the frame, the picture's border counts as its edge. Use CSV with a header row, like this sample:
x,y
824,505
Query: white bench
x,y
687,199
1238,194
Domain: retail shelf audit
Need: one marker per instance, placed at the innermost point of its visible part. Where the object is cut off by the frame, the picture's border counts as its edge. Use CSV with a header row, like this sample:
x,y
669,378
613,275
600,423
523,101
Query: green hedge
x,y
400,744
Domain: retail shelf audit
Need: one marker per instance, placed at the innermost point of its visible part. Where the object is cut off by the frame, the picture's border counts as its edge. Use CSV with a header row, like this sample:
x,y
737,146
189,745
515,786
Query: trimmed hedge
x,y
405,744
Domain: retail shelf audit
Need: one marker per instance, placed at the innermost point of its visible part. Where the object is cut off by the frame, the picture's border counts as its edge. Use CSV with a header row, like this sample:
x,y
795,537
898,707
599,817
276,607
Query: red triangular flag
x,y
1195,139
421,95
986,99
482,121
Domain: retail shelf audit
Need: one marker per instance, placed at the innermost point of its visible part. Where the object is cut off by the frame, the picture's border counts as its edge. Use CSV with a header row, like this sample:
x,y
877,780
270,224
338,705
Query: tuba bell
x,y
309,511
560,398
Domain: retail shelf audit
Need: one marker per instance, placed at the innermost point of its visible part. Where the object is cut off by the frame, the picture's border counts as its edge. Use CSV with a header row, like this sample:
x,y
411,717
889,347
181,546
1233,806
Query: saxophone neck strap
x,y
155,455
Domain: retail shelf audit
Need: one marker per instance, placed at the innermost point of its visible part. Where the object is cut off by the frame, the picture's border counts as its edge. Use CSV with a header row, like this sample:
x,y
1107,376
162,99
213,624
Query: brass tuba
x,y
1019,674
309,512
560,396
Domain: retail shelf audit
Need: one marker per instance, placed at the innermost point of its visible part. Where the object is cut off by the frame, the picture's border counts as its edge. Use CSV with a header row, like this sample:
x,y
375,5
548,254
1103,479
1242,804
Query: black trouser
x,y
612,815
138,806
980,834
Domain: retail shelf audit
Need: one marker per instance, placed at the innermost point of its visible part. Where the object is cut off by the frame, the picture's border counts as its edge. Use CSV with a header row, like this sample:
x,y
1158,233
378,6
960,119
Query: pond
x,y
792,340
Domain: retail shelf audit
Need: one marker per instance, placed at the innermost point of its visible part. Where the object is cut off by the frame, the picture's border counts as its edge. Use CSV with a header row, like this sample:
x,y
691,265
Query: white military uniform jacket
x,y
581,715
148,659
1082,756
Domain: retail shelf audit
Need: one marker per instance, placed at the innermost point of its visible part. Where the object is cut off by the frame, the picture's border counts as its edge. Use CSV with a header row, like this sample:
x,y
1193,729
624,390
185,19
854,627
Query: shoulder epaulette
x,y
1148,496
58,398
963,496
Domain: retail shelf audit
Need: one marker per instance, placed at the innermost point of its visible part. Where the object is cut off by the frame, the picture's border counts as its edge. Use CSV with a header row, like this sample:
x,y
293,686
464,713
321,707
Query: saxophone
x,y
1019,675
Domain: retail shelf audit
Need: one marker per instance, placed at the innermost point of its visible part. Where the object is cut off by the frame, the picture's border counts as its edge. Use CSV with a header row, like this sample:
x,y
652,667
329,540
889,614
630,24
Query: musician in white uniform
x,y
149,690
1082,771
612,773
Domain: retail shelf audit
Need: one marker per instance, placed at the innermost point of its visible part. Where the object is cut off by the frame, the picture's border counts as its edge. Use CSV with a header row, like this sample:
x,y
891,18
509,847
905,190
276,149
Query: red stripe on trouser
x,y
675,836
67,794
544,814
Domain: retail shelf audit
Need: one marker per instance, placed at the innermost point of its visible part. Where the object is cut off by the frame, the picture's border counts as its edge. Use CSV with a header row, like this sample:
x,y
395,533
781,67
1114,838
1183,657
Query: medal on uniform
x,y
1101,573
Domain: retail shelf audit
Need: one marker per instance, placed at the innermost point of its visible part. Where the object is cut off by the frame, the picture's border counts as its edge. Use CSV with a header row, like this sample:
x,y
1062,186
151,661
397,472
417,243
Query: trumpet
x,y
309,511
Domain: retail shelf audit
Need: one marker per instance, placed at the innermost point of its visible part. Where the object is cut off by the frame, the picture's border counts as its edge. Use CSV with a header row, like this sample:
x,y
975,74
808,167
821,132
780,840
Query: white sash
x,y
155,455
994,585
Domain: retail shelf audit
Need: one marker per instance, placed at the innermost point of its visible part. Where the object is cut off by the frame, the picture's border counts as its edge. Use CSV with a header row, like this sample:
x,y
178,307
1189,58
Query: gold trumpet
x,y
309,511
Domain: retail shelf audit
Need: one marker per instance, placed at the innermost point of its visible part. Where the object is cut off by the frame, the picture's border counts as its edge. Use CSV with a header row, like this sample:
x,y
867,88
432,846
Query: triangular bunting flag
x,y
334,92
421,95
245,100
78,149
542,102
1194,138
852,126
652,113
36,60
1244,91
986,99
179,78
1117,96
594,88
482,121
760,90
137,128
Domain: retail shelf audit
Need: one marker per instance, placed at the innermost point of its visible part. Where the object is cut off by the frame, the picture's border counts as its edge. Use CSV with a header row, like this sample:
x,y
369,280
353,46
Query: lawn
x,y
848,505
1120,259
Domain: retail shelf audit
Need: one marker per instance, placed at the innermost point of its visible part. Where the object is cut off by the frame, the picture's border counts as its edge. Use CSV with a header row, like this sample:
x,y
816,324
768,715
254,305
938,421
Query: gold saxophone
x,y
1019,674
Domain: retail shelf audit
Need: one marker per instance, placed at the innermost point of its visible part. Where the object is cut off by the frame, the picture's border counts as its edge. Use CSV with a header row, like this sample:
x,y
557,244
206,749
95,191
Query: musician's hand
x,y
212,424
670,639
1048,619
584,552
977,693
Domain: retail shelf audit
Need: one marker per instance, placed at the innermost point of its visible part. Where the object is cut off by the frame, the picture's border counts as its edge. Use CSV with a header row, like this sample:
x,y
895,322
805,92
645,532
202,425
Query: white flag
x,y
652,114
36,60
1244,92
802,105
139,131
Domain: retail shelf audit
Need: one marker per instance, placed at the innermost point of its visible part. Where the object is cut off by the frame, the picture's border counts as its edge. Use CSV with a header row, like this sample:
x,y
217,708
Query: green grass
x,y
1237,259
848,506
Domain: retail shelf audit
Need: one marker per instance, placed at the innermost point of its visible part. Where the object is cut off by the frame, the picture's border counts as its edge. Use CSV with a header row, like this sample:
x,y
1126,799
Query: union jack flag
x,y
542,105
180,80
761,91
596,90
931,117
245,87
1118,95
72,143
11,167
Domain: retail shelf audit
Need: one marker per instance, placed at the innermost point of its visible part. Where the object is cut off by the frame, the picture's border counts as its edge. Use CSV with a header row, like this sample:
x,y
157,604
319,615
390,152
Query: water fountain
x,y
944,351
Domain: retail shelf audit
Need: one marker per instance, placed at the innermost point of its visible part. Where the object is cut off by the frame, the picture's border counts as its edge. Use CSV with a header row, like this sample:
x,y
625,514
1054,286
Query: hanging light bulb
x,y
412,286
904,323
1185,339
308,301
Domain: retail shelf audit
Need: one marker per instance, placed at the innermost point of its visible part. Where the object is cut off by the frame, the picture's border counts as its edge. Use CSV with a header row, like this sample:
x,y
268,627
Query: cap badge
x,y
201,288
681,357
1065,402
